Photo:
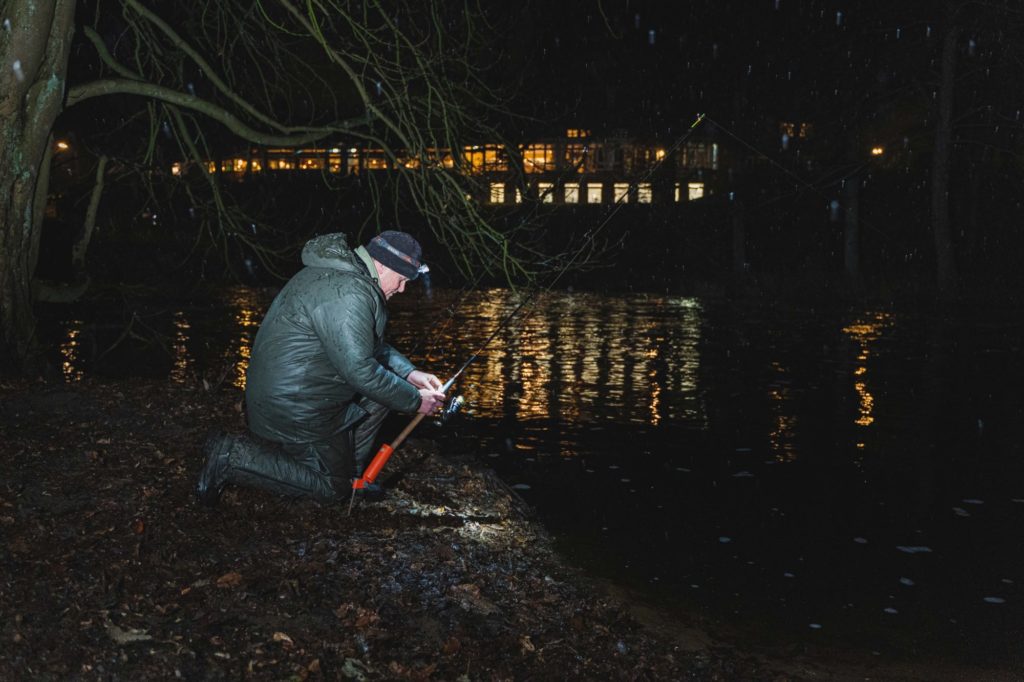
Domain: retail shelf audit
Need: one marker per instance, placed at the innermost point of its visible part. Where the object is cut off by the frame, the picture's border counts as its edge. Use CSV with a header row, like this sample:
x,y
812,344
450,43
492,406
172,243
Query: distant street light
x,y
877,151
63,146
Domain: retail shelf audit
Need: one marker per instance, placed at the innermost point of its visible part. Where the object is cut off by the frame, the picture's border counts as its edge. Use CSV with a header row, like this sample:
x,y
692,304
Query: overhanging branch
x,y
124,86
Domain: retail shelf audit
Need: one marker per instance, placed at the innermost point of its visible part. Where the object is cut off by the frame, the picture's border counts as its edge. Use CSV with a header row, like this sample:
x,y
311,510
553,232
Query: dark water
x,y
851,476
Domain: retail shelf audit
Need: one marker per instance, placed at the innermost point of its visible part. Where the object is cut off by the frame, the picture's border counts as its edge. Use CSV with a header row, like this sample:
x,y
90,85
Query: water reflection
x,y
572,358
248,312
69,352
181,358
865,332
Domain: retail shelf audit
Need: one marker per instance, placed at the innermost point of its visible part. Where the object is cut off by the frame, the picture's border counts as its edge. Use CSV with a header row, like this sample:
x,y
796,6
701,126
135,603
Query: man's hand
x,y
430,400
423,380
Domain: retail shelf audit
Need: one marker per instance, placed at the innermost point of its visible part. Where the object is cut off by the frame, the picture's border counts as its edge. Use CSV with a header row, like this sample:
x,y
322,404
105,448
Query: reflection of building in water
x,y
782,436
865,332
69,353
575,355
248,313
179,349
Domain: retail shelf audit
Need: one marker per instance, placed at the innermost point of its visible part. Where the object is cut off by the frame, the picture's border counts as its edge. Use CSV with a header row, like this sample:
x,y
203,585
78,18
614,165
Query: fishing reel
x,y
450,410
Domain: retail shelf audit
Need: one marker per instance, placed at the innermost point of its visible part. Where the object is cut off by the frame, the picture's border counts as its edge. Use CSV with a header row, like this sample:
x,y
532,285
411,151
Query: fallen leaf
x,y
122,636
526,644
138,526
451,647
284,639
232,579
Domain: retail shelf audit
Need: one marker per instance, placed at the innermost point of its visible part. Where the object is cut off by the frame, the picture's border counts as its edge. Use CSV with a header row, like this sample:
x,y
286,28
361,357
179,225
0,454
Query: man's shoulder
x,y
331,283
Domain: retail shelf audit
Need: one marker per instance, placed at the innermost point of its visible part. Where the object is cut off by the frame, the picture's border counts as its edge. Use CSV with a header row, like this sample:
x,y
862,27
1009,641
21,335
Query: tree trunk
x,y
34,55
945,265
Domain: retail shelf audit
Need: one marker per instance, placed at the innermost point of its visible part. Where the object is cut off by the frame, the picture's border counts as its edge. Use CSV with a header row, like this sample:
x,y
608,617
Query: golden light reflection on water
x,y
865,332
248,314
69,352
182,360
576,355
781,438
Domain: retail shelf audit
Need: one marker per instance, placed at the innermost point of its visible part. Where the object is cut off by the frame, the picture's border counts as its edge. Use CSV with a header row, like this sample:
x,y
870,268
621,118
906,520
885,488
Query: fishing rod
x,y
384,453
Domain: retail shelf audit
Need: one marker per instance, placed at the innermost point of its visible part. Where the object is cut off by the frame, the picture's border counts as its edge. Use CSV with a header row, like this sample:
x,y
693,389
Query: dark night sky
x,y
652,66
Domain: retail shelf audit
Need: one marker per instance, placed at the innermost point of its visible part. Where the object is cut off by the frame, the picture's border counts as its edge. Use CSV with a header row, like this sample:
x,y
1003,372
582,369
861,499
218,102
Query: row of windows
x,y
594,193
573,156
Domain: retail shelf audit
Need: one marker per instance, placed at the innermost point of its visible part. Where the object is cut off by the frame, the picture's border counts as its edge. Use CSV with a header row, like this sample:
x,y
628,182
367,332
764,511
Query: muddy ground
x,y
110,570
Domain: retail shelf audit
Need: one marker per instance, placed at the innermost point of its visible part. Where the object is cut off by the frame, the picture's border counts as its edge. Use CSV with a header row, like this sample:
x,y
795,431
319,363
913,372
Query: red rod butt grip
x,y
372,471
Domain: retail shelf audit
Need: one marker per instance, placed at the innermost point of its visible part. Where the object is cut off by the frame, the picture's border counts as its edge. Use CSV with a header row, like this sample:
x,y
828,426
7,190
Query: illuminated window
x,y
497,192
572,192
694,190
334,161
643,193
311,163
176,168
484,158
352,162
538,158
519,196
787,128
575,156
621,192
374,159
546,192
594,190
577,132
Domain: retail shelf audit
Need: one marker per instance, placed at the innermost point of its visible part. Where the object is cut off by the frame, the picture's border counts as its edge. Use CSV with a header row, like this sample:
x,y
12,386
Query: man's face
x,y
392,283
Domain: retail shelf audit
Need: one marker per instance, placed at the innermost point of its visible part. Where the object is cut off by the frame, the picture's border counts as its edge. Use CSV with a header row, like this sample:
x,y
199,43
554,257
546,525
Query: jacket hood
x,y
332,251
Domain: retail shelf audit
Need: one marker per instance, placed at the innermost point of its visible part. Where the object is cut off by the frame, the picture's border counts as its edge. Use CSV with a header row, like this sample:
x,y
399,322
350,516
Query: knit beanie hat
x,y
398,251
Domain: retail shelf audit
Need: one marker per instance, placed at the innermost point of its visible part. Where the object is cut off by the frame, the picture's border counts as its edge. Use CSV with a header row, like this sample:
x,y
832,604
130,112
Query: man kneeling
x,y
321,378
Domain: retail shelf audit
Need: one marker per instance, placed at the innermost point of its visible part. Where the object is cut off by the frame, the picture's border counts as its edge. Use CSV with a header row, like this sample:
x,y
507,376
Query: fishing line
x,y
799,180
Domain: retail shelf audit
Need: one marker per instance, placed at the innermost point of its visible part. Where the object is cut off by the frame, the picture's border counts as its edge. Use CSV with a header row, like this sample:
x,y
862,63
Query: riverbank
x,y
111,571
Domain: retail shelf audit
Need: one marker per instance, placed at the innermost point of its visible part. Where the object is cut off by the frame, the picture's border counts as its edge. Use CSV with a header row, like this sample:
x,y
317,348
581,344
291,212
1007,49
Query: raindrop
x,y
636,21
777,3
380,88
861,541
890,610
839,18
787,574
961,512
913,549
520,486
191,89
833,210
928,32
785,141
815,626
971,46
7,24
906,581
18,73
973,501
995,600
743,474
750,68
724,540
899,32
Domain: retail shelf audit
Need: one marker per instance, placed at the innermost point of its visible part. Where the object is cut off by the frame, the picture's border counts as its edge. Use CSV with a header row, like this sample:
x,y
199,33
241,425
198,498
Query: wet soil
x,y
110,570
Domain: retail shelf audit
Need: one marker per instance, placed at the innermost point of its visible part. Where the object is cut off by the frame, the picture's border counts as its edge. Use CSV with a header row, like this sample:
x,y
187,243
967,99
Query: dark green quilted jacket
x,y
321,345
